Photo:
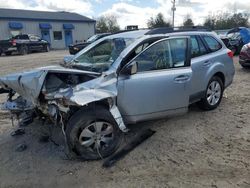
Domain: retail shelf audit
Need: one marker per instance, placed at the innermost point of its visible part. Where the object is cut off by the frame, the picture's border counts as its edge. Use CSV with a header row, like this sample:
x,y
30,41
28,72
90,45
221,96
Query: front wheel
x,y
93,133
46,48
213,95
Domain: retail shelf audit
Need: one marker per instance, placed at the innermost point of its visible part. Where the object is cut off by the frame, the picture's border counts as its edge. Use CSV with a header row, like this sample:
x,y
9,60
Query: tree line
x,y
221,21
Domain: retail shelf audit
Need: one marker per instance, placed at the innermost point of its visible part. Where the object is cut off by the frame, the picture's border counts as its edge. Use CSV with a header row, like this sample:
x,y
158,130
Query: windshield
x,y
101,56
93,38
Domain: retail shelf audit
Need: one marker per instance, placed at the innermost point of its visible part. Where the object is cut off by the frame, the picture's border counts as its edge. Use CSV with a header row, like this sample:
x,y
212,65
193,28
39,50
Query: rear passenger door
x,y
199,63
205,52
161,84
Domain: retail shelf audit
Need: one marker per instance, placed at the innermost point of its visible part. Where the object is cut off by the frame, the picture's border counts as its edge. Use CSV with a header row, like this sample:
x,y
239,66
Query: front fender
x,y
86,97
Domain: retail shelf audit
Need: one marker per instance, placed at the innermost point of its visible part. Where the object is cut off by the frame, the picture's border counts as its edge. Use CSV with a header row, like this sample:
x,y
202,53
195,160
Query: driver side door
x,y
161,85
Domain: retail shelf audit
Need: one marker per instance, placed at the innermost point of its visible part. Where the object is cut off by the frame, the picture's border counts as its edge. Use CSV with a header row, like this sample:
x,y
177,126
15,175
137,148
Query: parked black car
x,y
23,44
236,38
75,48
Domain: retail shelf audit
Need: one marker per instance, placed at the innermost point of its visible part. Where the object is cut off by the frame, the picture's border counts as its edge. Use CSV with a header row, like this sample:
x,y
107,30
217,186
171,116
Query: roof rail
x,y
164,30
123,31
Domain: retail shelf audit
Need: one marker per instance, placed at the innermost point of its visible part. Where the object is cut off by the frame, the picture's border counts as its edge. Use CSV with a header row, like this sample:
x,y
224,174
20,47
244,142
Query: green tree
x,y
226,21
210,22
107,23
158,21
188,22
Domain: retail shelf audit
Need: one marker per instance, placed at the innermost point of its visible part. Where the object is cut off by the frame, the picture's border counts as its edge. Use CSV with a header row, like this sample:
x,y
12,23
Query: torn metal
x,y
55,90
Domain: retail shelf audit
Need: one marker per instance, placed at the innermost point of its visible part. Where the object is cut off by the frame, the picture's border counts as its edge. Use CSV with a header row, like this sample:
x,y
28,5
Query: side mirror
x,y
130,69
68,59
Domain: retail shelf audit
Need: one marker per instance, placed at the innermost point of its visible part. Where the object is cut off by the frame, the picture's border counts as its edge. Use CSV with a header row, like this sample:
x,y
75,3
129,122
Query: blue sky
x,y
134,12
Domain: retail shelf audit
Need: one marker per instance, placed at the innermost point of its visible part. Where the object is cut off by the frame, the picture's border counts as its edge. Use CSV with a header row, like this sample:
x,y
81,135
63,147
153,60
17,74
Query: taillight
x,y
14,42
230,54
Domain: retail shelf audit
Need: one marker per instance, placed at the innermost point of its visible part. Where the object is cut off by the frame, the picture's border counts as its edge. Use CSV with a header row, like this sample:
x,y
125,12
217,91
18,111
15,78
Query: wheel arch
x,y
109,104
221,76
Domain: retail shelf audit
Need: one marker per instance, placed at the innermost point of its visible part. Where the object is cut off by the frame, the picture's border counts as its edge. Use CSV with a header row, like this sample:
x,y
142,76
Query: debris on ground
x,y
21,147
138,139
28,119
18,132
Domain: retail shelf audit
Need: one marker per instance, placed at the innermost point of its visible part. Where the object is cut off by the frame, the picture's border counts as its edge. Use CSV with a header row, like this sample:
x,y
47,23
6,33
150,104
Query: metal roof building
x,y
60,29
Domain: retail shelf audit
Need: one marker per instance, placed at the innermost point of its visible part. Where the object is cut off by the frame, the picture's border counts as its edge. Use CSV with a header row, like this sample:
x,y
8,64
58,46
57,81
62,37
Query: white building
x,y
60,29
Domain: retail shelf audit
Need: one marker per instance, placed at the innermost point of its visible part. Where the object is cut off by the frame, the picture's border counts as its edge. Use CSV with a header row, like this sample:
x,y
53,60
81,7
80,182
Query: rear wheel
x,y
93,134
23,50
213,95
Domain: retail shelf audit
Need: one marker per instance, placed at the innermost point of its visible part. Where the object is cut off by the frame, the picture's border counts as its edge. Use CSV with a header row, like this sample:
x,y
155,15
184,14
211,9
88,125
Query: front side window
x,y
34,38
163,55
101,57
212,43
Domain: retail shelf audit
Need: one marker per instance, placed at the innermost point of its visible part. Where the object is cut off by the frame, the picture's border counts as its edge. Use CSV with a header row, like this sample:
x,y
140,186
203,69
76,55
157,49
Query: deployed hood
x,y
29,84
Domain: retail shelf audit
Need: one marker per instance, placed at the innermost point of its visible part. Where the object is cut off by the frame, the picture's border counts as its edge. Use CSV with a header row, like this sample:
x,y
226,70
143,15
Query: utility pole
x,y
173,9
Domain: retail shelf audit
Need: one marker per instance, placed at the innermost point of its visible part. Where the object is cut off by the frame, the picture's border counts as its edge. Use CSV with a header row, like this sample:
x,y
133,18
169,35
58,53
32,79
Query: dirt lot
x,y
199,149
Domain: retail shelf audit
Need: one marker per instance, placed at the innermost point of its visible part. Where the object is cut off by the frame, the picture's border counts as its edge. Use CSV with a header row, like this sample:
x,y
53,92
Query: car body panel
x,y
132,98
244,57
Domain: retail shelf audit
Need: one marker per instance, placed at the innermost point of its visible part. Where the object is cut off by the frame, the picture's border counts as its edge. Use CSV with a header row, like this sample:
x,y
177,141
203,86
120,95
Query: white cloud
x,y
79,6
130,12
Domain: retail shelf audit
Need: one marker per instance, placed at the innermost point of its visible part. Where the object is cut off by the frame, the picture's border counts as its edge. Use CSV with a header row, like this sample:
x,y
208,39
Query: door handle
x,y
182,78
207,63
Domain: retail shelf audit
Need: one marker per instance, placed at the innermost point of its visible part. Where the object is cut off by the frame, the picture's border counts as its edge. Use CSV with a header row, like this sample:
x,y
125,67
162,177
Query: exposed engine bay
x,y
57,93
46,103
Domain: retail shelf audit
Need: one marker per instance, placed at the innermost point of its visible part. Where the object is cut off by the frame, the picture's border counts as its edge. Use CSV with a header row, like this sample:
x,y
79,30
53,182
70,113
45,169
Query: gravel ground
x,y
198,149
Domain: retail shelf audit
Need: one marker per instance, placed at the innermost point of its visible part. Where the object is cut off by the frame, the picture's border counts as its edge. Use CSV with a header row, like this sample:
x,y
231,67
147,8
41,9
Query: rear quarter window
x,y
212,43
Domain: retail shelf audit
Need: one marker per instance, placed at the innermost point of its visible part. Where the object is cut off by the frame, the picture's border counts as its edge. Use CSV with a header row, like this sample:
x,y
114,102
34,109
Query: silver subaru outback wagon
x,y
122,79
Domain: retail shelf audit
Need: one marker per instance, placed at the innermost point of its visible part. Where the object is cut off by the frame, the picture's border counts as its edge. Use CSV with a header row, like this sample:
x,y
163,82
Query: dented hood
x,y
29,84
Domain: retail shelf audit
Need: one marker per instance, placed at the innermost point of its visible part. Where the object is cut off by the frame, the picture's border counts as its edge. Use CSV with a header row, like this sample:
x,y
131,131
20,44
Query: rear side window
x,y
22,37
212,43
197,47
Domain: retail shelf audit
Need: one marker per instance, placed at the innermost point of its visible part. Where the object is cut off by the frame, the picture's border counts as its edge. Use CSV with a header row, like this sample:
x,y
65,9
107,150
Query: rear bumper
x,y
10,49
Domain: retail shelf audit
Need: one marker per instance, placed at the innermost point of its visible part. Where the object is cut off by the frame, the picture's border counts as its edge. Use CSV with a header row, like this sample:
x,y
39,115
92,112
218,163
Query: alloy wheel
x,y
97,136
214,92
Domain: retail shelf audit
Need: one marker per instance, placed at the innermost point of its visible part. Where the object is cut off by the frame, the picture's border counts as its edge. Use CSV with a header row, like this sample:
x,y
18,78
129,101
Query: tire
x,y
212,100
1,51
8,53
87,128
46,48
23,50
245,66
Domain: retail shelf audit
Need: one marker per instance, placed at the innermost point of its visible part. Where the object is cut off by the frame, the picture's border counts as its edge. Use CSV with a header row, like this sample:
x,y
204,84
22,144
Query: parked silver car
x,y
123,79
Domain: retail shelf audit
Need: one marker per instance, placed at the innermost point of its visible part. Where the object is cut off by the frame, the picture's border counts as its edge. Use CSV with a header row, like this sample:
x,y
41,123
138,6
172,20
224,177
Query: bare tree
x,y
107,23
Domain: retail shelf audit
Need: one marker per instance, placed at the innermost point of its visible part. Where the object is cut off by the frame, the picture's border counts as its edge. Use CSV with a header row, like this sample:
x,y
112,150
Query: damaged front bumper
x,y
55,90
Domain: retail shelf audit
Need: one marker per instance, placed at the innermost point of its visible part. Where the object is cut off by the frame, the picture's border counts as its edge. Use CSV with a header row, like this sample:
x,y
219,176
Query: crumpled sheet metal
x,y
29,85
95,90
